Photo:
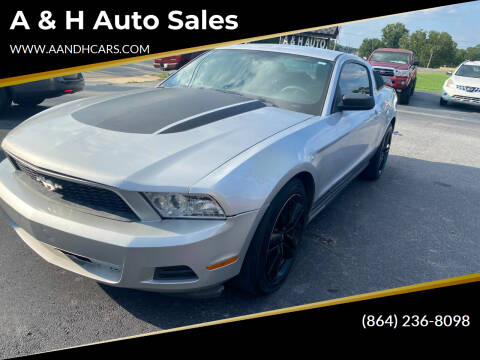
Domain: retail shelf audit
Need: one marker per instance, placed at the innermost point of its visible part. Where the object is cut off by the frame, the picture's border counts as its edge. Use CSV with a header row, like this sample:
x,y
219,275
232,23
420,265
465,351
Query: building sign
x,y
302,40
315,38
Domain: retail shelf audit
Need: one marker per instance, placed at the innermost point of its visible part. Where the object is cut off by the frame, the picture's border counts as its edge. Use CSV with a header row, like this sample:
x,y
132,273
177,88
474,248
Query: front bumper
x,y
166,66
125,254
460,96
49,87
399,83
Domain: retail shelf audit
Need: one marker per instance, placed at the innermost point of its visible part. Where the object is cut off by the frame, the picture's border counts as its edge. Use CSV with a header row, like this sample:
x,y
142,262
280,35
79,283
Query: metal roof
x,y
331,31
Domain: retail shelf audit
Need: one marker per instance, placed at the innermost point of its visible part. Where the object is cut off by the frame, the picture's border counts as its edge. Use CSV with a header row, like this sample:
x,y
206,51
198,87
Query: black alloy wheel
x,y
377,163
273,248
284,239
385,150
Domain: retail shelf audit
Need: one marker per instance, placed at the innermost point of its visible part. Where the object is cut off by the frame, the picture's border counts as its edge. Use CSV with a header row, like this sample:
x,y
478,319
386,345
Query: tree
x,y
418,43
432,49
460,56
368,45
442,49
343,48
473,53
392,33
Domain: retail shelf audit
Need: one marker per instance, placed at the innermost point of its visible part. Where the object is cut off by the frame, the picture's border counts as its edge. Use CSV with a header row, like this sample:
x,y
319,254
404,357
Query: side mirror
x,y
356,102
416,63
449,72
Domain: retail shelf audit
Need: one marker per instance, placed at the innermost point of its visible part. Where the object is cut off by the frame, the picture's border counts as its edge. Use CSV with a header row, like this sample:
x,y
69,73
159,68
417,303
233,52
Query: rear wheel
x,y
272,251
29,101
375,168
443,102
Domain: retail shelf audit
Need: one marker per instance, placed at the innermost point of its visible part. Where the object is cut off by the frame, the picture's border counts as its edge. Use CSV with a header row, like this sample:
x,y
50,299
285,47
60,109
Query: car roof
x,y
324,54
394,50
468,62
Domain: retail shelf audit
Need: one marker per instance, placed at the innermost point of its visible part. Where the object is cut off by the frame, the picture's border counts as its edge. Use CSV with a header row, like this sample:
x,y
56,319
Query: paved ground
x,y
137,69
418,223
125,74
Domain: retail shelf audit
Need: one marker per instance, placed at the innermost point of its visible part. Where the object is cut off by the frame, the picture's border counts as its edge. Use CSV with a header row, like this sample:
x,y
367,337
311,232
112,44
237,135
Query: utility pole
x,y
431,54
338,34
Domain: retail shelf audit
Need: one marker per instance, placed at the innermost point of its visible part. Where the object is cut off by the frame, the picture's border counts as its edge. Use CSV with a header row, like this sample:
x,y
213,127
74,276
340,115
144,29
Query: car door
x,y
353,132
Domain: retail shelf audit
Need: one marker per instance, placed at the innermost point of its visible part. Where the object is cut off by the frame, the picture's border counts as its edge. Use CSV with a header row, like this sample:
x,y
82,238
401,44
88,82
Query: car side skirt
x,y
322,202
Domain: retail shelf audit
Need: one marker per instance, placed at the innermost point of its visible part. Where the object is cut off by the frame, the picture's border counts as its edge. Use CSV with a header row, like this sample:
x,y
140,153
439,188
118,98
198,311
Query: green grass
x,y
431,82
162,75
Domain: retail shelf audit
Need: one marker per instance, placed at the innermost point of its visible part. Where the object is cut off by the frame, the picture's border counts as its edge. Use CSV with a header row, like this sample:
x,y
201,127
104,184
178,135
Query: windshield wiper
x,y
254,97
265,101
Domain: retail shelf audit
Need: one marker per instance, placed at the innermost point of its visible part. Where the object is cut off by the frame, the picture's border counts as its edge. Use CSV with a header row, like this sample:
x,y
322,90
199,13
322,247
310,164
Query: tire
x,y
375,168
5,100
272,251
443,102
404,97
413,87
29,101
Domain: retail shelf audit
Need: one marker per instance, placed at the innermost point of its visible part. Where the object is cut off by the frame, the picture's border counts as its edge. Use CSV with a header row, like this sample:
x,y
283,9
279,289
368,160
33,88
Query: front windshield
x,y
472,71
288,81
390,56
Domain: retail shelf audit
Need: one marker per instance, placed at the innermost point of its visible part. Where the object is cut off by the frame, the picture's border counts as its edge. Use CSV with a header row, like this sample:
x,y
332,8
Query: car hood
x,y
466,81
390,65
157,139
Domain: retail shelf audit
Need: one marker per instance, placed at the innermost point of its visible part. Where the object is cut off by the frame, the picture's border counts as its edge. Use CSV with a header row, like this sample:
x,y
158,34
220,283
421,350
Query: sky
x,y
461,21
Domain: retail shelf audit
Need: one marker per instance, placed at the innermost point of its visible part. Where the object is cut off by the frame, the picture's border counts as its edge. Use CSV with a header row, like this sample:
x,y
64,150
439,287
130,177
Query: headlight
x,y
175,205
402,73
450,83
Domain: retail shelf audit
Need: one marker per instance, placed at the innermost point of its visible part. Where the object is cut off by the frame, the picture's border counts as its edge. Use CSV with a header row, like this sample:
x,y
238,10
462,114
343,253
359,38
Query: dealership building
x,y
325,38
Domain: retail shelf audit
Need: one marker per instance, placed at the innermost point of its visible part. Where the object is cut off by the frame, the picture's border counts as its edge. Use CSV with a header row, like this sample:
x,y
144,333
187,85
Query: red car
x,y
175,62
398,67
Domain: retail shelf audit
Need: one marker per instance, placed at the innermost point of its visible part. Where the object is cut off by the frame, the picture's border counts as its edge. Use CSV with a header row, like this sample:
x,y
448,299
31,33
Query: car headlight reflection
x,y
176,205
450,83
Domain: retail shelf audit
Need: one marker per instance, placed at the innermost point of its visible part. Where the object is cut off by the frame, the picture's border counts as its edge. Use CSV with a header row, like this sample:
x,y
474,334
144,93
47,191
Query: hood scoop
x,y
153,110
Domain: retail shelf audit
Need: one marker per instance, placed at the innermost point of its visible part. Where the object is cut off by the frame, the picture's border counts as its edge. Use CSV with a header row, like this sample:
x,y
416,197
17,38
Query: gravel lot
x,y
418,223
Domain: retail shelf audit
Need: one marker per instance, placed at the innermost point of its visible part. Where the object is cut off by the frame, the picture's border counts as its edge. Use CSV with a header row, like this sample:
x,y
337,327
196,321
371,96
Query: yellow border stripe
x,y
97,66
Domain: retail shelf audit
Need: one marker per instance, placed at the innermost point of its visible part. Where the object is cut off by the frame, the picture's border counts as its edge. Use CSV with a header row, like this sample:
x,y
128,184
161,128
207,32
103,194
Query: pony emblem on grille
x,y
48,184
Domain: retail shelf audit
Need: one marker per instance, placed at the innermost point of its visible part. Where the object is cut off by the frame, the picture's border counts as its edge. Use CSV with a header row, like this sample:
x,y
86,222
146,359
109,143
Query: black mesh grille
x,y
467,99
85,196
384,72
181,272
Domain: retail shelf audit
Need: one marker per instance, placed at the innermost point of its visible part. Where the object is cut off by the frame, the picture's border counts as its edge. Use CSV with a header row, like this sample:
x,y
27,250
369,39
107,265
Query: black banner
x,y
72,34
449,313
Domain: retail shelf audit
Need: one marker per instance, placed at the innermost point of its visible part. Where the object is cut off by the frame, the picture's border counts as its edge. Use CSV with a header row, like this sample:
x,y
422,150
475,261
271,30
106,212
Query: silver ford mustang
x,y
211,176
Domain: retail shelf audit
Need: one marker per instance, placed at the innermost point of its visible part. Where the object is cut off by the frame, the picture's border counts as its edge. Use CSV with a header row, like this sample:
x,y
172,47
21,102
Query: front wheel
x,y
404,96
443,102
413,87
272,251
375,168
